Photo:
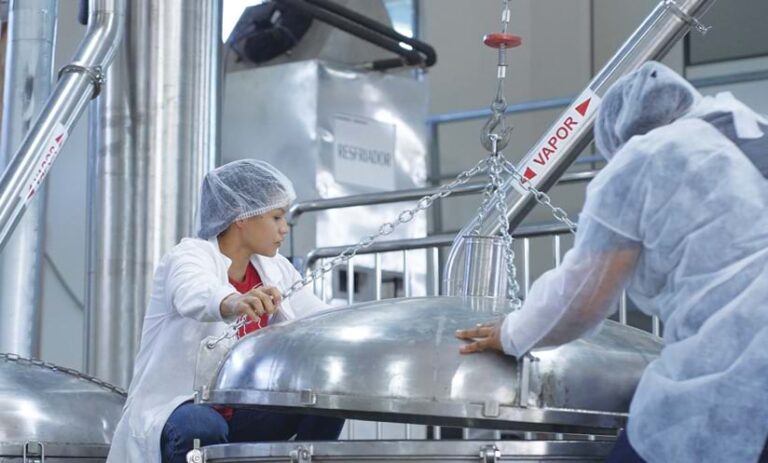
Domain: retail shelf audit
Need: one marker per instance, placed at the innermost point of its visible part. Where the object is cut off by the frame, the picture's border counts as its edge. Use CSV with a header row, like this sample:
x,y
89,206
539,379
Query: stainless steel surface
x,y
412,451
398,360
32,161
484,267
295,112
71,414
530,231
28,80
156,135
652,40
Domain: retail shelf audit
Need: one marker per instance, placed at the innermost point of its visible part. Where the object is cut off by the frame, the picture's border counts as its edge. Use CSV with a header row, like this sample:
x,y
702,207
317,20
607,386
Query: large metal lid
x,y
69,413
398,360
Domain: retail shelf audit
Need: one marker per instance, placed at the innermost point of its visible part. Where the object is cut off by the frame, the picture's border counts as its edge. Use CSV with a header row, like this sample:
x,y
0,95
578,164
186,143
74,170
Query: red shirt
x,y
251,280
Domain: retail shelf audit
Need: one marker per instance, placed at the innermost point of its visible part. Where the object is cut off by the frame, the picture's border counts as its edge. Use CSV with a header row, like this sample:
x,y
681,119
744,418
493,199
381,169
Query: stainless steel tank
x,y
398,361
51,414
411,451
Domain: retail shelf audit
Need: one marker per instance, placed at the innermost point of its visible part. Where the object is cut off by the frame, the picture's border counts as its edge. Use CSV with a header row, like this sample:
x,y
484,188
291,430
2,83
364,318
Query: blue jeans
x,y
192,421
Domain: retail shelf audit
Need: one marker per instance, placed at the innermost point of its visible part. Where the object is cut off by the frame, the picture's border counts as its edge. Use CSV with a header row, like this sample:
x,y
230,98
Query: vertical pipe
x,y
350,282
28,82
434,254
656,326
527,264
623,308
557,243
324,287
157,134
377,277
406,275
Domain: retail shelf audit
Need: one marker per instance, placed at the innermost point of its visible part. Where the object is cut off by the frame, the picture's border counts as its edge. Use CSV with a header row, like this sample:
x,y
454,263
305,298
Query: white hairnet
x,y
639,102
239,190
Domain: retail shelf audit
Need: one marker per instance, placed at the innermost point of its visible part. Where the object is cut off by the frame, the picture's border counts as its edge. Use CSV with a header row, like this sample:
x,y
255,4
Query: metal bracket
x,y
33,452
489,454
95,73
301,454
308,398
690,20
195,455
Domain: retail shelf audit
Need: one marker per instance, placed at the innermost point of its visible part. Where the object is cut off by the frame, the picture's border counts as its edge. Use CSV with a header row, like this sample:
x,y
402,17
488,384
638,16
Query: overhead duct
x,y
28,81
342,32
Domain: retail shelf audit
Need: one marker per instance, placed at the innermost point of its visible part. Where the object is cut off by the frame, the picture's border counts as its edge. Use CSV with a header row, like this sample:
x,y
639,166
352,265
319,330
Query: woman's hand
x,y
253,304
485,336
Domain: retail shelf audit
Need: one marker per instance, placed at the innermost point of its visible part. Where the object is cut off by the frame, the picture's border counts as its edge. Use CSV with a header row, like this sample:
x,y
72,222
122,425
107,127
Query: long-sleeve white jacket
x,y
189,284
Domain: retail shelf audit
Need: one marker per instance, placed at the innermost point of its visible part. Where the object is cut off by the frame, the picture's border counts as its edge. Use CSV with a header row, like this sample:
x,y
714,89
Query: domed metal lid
x,y
69,413
398,360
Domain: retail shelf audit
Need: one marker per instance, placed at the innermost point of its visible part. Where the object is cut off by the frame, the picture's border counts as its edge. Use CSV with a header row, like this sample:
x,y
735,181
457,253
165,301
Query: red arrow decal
x,y
58,139
529,173
582,108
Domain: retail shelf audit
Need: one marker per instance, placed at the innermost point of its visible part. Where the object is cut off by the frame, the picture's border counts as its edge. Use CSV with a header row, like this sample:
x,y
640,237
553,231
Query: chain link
x,y
65,370
513,289
542,198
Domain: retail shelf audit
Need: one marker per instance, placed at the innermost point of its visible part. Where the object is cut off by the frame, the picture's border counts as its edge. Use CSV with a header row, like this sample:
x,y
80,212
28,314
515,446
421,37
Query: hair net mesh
x,y
239,190
639,102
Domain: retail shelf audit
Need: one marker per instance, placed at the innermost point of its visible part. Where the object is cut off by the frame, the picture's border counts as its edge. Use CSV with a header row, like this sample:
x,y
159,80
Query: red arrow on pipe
x,y
582,108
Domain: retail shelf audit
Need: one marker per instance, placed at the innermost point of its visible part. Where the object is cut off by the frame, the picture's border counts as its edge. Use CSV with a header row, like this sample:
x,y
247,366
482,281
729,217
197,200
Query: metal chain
x,y
497,124
484,205
495,170
69,371
542,198
387,228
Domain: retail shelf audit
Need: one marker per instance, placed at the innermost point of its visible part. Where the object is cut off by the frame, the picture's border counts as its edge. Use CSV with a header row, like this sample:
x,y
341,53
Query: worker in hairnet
x,y
678,218
231,272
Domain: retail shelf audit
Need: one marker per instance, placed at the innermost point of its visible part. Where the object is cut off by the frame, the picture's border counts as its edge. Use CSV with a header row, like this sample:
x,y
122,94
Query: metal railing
x,y
300,208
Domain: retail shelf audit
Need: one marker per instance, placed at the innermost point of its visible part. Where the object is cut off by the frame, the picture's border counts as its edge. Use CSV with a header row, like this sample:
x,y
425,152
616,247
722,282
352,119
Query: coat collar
x,y
264,265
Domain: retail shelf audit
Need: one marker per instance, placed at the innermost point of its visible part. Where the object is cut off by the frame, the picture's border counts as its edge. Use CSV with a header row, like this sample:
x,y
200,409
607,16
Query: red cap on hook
x,y
497,39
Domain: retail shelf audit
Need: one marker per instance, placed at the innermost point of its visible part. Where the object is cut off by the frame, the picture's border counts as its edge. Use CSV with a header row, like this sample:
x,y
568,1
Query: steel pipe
x,y
156,132
28,81
79,82
666,24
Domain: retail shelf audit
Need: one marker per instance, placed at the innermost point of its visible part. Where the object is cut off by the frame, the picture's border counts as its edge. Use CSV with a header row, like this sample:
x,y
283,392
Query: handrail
x,y
79,82
433,241
298,209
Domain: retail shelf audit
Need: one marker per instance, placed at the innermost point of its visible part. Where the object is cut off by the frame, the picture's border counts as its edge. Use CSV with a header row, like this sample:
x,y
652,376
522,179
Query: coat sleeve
x,y
573,299
192,287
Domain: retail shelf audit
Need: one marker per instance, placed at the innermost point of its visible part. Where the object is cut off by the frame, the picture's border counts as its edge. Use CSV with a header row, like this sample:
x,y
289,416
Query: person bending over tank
x,y
679,218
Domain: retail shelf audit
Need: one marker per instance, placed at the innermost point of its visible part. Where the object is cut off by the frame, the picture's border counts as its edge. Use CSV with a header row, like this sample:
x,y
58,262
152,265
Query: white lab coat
x,y
189,285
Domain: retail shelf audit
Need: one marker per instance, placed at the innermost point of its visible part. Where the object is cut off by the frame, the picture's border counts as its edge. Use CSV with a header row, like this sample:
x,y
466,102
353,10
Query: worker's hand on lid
x,y
254,303
485,336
